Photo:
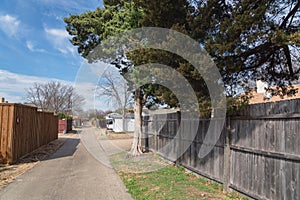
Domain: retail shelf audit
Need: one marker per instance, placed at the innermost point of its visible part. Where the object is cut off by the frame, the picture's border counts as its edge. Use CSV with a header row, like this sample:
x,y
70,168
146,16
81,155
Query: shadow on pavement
x,y
68,149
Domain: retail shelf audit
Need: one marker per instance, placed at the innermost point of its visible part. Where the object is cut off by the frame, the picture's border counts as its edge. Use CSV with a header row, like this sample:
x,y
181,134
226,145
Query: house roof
x,y
114,115
160,111
261,97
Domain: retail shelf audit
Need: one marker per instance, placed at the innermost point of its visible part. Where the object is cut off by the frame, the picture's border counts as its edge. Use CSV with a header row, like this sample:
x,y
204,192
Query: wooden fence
x,y
65,125
257,153
24,129
100,123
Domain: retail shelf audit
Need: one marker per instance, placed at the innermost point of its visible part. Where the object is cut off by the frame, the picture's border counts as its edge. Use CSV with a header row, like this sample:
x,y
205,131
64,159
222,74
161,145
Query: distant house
x,y
110,119
114,122
261,96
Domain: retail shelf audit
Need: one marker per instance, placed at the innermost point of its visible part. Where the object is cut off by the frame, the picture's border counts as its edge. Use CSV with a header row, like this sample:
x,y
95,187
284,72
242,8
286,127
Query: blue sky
x,y
34,46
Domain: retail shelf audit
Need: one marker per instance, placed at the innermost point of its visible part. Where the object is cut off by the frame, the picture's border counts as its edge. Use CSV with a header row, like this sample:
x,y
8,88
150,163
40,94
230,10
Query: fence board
x,y
24,129
264,153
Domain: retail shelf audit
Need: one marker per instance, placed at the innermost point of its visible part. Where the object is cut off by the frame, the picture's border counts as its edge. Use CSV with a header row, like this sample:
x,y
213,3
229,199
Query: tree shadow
x,y
68,149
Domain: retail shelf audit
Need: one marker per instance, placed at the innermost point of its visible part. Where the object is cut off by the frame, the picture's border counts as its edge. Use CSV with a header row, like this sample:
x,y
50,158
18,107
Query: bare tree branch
x,y
116,90
54,97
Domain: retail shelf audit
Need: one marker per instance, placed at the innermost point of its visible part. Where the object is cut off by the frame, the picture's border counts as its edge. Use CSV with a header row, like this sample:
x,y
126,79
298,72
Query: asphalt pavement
x,y
80,169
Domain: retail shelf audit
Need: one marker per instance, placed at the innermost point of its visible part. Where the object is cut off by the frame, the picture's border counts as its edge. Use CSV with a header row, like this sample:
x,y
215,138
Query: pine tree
x,y
251,39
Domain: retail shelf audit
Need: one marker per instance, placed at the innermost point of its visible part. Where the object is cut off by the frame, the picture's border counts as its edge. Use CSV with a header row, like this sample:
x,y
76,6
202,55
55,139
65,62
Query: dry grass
x,y
119,136
147,162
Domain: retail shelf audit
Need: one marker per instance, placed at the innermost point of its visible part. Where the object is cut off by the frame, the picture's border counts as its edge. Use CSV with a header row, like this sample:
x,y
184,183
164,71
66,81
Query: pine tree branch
x,y
289,15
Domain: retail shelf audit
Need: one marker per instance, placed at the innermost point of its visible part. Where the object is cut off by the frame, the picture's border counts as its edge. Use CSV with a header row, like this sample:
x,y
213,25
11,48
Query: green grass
x,y
149,178
169,183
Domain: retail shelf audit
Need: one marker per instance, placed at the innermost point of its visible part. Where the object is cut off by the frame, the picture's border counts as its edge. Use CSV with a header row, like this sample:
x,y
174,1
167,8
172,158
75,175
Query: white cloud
x,y
86,84
87,90
31,46
13,88
60,40
9,25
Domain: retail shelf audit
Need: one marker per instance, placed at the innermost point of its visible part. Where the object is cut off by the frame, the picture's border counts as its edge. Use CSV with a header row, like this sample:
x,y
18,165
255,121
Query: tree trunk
x,y
123,119
136,149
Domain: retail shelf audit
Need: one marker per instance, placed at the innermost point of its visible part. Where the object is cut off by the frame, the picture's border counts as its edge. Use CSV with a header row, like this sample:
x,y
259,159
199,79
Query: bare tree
x,y
115,88
55,97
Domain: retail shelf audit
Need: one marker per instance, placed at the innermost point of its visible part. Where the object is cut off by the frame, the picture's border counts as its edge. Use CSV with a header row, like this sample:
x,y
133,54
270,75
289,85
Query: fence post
x,y
156,140
145,137
227,155
178,135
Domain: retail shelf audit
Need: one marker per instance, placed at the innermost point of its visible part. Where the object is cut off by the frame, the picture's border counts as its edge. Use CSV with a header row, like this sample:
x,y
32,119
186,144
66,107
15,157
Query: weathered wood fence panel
x,y
24,129
258,152
6,122
265,157
160,130
101,123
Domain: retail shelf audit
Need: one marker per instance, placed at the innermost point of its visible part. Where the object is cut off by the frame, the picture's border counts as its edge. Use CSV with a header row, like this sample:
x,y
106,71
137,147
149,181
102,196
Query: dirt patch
x,y
119,136
193,191
8,173
67,135
124,144
147,162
